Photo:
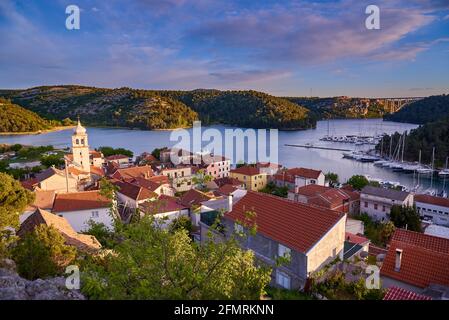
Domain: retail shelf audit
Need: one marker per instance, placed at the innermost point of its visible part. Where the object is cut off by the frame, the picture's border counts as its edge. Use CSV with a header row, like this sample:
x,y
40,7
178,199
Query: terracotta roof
x,y
134,192
161,205
268,165
194,197
246,170
133,172
44,200
437,201
385,193
290,174
30,184
396,293
326,196
77,201
227,180
97,171
227,189
151,183
117,157
95,154
293,224
75,171
425,259
81,241
355,238
374,250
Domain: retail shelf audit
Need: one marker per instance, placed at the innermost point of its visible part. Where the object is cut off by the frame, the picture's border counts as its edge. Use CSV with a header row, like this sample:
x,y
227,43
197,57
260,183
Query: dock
x,y
315,147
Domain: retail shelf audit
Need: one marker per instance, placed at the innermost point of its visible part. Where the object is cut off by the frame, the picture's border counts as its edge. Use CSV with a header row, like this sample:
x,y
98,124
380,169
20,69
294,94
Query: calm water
x,y
326,160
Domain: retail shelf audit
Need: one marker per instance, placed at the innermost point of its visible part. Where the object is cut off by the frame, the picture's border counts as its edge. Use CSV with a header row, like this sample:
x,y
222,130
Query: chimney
x,y
397,265
229,203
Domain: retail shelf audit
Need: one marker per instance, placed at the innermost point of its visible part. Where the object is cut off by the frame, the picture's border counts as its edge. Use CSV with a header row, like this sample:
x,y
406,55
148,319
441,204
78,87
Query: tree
x,y
157,153
201,178
387,232
42,253
13,201
332,178
358,182
153,263
52,160
181,223
405,217
109,151
101,233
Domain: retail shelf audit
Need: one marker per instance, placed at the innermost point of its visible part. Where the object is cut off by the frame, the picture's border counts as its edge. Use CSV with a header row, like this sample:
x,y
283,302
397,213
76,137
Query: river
x,y
326,160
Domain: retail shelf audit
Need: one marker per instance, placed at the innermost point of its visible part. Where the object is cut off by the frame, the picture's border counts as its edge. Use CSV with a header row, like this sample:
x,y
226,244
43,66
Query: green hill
x,y
14,118
423,111
150,109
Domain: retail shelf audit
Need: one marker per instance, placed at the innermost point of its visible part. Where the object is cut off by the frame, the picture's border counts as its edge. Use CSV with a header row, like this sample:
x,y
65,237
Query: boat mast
x,y
391,144
433,160
403,147
419,164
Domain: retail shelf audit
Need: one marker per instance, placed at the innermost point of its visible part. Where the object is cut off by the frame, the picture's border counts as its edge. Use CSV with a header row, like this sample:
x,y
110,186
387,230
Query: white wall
x,y
439,214
79,219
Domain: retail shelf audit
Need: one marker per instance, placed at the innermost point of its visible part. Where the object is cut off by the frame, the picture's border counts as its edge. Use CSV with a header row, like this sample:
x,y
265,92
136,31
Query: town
x,y
332,237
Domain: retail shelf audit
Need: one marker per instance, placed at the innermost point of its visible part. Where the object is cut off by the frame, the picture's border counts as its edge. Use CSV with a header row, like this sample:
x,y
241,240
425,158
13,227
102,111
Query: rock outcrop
x,y
13,287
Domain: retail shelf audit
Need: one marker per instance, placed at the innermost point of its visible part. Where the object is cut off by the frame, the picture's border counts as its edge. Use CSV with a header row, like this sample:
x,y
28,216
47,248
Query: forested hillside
x,y
150,109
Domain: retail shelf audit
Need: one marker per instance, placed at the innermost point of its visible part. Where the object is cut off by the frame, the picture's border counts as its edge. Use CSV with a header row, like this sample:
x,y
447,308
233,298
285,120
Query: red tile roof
x,y
135,192
227,189
117,157
162,205
227,180
83,242
437,201
77,201
326,196
268,165
194,197
290,174
95,154
425,259
30,184
97,171
246,170
355,238
133,172
293,224
151,183
44,200
395,293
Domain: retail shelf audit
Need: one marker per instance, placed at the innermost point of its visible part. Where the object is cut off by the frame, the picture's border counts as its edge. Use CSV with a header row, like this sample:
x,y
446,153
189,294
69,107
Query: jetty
x,y
316,147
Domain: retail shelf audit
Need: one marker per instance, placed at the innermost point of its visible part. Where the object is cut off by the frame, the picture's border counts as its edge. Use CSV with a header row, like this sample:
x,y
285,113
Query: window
x,y
366,204
82,141
283,251
282,279
375,206
383,208
77,141
94,214
312,181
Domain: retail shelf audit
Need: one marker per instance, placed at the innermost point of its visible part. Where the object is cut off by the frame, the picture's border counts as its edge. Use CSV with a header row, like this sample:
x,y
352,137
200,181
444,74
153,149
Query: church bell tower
x,y
80,148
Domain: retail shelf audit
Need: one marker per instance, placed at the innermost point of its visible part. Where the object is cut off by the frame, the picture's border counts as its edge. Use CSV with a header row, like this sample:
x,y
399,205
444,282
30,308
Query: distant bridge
x,y
396,104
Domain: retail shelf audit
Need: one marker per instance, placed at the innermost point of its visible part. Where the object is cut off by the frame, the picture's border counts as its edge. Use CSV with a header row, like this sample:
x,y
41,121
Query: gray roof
x,y
385,193
48,173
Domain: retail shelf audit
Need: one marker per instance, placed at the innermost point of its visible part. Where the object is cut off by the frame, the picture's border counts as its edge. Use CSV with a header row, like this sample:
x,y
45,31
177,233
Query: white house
x,y
299,177
377,202
434,209
80,207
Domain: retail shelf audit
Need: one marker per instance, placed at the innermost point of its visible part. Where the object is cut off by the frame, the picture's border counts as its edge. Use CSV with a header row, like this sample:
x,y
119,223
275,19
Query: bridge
x,y
395,104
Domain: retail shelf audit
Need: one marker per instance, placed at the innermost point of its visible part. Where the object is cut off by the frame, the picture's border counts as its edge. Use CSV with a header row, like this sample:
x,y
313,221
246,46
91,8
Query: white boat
x,y
423,170
444,173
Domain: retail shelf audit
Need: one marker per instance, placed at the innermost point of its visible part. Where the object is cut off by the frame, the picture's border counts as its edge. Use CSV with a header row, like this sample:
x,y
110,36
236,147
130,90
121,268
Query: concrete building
x,y
131,195
433,209
309,237
121,160
377,202
164,210
251,177
216,166
180,177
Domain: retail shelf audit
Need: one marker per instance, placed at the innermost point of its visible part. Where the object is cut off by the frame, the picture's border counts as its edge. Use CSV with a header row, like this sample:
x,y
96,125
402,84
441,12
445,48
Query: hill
x,y
341,107
425,138
14,118
423,111
150,109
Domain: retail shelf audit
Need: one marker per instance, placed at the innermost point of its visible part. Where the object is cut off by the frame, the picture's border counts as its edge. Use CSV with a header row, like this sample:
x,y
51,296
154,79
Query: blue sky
x,y
296,48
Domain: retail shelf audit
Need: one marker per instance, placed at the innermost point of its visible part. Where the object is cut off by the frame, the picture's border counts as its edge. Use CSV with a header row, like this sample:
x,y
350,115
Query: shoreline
x,y
36,132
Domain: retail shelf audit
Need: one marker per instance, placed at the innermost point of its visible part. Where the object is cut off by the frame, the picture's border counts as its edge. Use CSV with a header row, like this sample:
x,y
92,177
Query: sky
x,y
285,48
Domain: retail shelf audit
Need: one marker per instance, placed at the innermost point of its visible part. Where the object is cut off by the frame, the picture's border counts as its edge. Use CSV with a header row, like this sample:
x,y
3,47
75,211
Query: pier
x,y
316,147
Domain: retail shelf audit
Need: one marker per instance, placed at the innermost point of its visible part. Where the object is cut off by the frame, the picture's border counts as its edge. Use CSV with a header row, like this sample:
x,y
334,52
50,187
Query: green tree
x,y
157,153
332,178
405,217
181,223
358,182
109,151
387,232
13,201
52,160
42,253
152,263
201,178
103,234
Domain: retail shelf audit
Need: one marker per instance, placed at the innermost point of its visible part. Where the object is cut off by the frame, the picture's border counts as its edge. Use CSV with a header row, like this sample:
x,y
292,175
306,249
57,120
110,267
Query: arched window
x,y
77,141
82,141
